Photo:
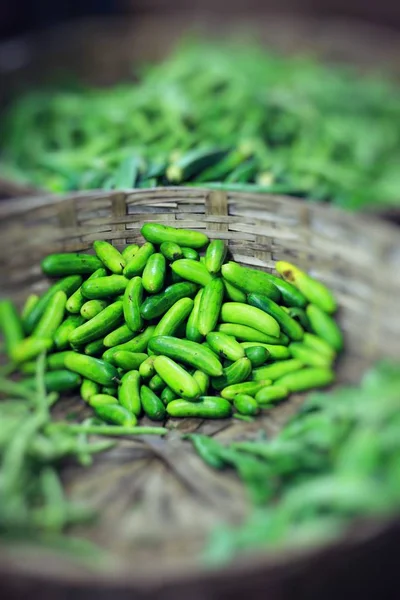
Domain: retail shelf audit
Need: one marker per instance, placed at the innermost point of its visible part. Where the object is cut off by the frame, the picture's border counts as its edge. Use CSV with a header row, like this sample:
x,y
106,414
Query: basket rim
x,y
11,207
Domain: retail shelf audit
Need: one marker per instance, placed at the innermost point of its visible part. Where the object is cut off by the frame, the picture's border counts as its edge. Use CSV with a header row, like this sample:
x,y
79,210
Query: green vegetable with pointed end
x,y
210,306
30,303
192,330
215,256
91,308
190,253
153,276
246,405
58,265
308,356
276,352
174,317
129,392
277,370
156,383
319,345
208,407
242,314
137,344
233,293
157,234
258,355
109,256
192,270
171,251
225,345
288,325
250,280
56,360
91,368
88,389
62,333
103,287
315,291
113,413
152,405
155,306
177,378
146,368
129,252
306,379
94,348
192,163
167,395
271,393
202,380
119,336
128,360
249,334
99,326
191,353
325,327
247,387
136,265
237,372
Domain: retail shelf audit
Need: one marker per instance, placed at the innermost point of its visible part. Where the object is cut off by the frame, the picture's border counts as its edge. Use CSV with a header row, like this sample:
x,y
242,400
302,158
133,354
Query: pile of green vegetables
x,y
124,329
247,339
338,459
232,117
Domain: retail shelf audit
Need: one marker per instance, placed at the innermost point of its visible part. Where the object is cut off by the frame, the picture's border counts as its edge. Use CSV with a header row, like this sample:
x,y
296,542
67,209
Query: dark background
x,y
23,16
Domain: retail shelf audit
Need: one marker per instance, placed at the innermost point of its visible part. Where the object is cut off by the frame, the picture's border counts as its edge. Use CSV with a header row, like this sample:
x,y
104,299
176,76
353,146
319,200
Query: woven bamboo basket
x,y
156,498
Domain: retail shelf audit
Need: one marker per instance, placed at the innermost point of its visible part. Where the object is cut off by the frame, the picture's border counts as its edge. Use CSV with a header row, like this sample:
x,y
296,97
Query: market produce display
x,y
231,117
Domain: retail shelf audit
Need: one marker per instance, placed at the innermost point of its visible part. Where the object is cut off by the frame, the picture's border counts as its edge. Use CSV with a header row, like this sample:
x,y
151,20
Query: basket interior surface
x,y
156,498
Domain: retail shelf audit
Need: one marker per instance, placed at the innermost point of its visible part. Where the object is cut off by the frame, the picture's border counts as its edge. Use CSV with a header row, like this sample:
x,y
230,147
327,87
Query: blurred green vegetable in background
x,y
225,116
338,459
